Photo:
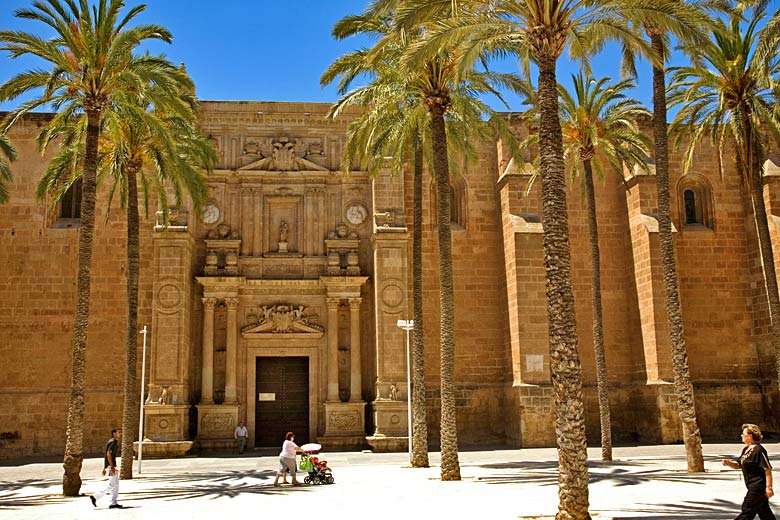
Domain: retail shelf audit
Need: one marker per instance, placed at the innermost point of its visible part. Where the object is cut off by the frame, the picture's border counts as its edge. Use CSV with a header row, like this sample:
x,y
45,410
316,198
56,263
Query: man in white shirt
x,y
240,435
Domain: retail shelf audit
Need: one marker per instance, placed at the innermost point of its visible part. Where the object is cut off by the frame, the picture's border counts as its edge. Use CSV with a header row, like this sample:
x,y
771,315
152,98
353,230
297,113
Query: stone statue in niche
x,y
165,397
284,319
393,392
284,230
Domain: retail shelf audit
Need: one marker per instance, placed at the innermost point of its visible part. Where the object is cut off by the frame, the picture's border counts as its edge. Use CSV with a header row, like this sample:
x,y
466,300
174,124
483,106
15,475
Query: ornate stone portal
x,y
282,276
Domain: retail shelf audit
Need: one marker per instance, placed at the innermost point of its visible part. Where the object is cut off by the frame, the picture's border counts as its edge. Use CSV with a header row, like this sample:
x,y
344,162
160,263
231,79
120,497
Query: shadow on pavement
x,y
546,473
718,509
182,486
211,476
16,485
17,501
212,491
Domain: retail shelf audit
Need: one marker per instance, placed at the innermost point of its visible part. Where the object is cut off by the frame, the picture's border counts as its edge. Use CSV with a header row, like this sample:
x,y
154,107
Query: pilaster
x,y
207,369
169,366
390,244
171,352
641,199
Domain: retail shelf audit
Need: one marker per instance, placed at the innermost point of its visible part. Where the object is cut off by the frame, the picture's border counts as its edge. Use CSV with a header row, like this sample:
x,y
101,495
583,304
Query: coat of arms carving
x,y
283,318
282,157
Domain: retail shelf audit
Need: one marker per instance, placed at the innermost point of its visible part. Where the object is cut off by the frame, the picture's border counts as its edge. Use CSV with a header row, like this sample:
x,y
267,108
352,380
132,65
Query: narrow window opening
x,y
70,205
691,216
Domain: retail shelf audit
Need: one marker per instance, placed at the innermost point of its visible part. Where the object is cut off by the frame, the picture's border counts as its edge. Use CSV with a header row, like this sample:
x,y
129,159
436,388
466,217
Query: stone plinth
x,y
217,421
166,422
391,433
165,450
345,426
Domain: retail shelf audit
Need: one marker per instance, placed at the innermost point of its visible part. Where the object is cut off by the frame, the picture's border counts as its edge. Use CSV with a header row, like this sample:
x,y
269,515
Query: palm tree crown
x,y
600,122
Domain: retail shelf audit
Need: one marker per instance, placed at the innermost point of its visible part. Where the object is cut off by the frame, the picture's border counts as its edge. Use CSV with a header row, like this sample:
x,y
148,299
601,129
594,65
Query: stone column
x,y
333,349
257,221
247,213
207,374
355,385
230,354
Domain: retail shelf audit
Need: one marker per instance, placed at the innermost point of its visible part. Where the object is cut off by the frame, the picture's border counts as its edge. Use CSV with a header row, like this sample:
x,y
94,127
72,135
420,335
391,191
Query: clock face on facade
x,y
356,214
210,214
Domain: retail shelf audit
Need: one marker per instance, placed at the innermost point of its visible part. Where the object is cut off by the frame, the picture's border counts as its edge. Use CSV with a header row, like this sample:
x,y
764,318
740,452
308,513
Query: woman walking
x,y
287,460
757,471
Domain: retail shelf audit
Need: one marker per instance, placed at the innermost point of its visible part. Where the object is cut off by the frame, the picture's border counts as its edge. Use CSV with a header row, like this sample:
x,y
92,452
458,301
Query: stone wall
x,y
37,300
502,357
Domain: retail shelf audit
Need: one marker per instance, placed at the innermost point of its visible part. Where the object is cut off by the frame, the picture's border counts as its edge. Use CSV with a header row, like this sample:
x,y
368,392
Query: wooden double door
x,y
282,400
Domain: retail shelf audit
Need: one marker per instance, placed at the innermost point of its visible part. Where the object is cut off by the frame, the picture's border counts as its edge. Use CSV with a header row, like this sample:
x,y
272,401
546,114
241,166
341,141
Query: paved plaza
x,y
646,482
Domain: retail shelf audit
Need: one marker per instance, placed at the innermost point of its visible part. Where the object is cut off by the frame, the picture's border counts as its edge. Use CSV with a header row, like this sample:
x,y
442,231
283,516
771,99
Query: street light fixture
x,y
408,325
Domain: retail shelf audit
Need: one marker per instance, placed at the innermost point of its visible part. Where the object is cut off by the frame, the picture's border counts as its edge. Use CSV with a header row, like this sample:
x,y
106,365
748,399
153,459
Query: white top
x,y
288,450
240,432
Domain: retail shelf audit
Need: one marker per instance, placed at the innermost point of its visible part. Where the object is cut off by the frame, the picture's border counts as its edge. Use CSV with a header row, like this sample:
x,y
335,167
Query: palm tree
x,y
401,102
388,127
690,32
91,61
600,124
541,30
7,154
163,149
729,94
151,136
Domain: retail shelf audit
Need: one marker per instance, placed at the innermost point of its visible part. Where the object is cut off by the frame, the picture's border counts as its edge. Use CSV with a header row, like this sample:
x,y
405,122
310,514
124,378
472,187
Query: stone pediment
x,y
284,319
283,157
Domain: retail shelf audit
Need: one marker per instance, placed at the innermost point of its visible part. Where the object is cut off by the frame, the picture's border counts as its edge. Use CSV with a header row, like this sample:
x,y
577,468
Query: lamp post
x,y
408,325
141,418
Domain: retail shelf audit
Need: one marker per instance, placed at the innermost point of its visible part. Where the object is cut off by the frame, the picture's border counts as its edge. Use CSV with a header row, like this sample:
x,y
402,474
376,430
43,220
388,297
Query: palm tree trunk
x,y
419,419
74,441
129,406
598,332
564,359
450,466
682,379
765,245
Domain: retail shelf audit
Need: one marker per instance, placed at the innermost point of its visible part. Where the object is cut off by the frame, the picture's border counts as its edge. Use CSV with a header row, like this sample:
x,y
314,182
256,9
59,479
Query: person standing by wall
x,y
109,465
287,460
757,471
241,435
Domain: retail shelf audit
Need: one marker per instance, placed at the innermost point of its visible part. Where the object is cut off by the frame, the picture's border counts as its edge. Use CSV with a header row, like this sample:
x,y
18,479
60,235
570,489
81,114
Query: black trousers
x,y
756,503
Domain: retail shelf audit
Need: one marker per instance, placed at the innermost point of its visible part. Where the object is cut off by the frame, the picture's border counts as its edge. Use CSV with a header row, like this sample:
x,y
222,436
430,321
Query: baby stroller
x,y
318,470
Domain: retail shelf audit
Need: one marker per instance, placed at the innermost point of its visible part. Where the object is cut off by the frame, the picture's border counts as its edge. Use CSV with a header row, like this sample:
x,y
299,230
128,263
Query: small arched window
x,y
695,207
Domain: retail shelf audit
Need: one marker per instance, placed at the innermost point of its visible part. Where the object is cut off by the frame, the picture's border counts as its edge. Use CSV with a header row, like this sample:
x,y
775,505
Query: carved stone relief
x,y
283,318
283,154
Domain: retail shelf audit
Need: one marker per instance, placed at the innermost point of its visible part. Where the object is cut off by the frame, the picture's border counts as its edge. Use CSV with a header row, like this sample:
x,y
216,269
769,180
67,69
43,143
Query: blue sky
x,y
261,50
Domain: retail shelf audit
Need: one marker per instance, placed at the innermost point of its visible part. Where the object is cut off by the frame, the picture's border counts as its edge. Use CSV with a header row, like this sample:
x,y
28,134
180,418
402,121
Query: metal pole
x,y
141,418
409,391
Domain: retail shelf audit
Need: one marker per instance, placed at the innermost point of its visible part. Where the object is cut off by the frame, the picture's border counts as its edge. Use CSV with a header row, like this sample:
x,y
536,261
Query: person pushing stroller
x,y
318,470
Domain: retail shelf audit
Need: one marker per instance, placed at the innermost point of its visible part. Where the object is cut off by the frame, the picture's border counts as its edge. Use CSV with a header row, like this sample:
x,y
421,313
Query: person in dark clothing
x,y
109,465
757,471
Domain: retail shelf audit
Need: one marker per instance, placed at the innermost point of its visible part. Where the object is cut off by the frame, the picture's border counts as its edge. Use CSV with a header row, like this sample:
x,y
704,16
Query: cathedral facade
x,y
278,304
